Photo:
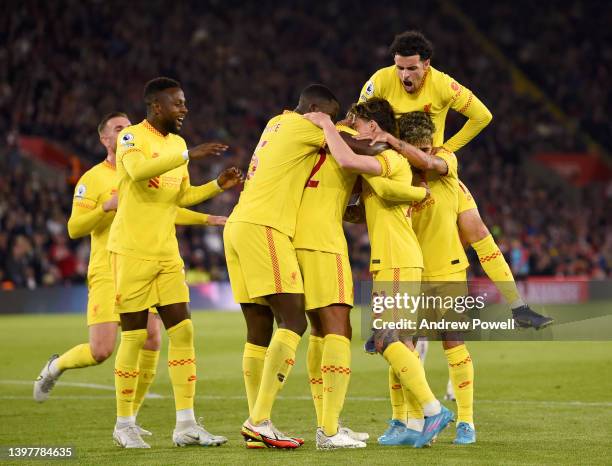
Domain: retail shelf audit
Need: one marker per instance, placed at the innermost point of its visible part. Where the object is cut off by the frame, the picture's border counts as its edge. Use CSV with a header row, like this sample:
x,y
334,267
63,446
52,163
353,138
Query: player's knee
x,y
101,352
181,335
471,226
153,341
296,325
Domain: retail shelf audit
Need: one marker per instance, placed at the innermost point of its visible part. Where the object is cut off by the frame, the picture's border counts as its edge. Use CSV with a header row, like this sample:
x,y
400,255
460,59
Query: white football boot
x,y
340,440
196,435
129,437
45,381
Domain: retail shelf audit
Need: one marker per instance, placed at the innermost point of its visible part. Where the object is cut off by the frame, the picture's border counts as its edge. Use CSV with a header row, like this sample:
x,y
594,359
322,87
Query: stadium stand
x,y
241,65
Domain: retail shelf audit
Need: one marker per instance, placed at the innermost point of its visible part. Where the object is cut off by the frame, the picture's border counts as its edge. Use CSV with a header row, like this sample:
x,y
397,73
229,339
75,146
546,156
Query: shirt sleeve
x,y
131,152
370,89
391,189
87,212
465,102
191,195
451,163
190,217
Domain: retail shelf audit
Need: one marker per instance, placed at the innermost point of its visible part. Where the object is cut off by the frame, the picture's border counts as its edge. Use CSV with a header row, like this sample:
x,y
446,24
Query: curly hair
x,y
416,128
411,43
376,109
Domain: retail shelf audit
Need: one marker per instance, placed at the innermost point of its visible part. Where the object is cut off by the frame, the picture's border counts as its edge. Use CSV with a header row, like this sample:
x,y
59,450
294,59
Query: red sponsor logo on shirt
x,y
427,108
454,86
154,183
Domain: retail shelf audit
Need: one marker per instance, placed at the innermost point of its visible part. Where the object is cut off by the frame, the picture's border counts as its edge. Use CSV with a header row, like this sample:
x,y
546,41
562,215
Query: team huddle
x,y
286,253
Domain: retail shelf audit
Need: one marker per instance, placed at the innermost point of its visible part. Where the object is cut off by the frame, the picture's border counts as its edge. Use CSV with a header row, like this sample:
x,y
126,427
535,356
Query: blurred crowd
x,y
240,63
570,55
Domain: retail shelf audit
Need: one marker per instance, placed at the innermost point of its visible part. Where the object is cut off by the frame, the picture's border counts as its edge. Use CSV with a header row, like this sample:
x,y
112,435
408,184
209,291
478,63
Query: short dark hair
x,y
107,117
376,109
416,127
317,92
411,43
157,85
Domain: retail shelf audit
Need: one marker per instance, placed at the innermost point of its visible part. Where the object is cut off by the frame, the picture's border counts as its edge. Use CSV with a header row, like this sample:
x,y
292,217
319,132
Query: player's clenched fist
x,y
206,150
229,178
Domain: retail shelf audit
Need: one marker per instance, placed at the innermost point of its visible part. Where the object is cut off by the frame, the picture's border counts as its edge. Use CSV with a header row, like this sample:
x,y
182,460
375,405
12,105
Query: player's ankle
x,y
432,408
125,421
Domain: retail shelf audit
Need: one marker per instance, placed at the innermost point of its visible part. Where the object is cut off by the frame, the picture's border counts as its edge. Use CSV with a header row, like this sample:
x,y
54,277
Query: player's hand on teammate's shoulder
x,y
378,136
216,220
207,149
229,178
111,204
319,118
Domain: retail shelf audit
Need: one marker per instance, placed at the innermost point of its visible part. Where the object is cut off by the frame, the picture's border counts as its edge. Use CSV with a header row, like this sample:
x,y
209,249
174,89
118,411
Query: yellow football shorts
x,y
466,200
327,278
439,290
261,261
141,284
391,283
101,299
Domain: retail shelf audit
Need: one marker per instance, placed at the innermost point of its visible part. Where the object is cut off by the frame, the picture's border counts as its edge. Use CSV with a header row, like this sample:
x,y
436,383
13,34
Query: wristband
x,y
186,154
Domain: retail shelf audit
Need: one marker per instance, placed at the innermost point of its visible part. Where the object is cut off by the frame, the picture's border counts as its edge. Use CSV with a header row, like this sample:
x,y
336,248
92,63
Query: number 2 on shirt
x,y
310,183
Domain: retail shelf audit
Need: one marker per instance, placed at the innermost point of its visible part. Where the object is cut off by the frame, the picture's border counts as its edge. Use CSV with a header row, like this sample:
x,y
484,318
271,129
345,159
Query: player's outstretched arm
x,y
86,216
397,190
363,146
141,168
416,157
192,195
478,116
191,217
340,150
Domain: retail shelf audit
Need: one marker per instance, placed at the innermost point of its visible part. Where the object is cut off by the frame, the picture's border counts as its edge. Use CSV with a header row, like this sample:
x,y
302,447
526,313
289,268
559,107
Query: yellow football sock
x,y
414,409
78,356
336,371
461,372
313,363
497,269
147,366
396,393
280,358
181,364
410,371
252,368
126,370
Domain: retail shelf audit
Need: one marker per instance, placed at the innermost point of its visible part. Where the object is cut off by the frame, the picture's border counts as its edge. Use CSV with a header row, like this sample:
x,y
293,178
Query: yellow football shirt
x,y
153,182
280,167
438,93
435,222
94,188
326,194
392,239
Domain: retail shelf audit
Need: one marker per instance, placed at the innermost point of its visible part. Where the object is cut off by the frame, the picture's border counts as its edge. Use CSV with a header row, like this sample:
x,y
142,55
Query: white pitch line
x,y
95,386
590,404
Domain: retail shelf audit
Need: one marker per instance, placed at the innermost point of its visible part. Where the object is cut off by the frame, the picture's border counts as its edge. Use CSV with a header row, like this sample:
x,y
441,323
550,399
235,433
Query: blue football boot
x,y
389,437
466,434
433,426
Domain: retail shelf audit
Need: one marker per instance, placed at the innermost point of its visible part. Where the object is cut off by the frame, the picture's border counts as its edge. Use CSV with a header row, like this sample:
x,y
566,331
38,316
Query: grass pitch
x,y
536,402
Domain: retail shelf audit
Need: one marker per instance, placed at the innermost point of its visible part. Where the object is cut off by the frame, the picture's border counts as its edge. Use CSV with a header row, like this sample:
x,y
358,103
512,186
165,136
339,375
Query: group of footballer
x,y
286,252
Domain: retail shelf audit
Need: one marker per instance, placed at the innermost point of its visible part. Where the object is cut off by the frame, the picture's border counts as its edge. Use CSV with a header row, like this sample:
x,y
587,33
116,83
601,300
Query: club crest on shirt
x,y
126,140
80,191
